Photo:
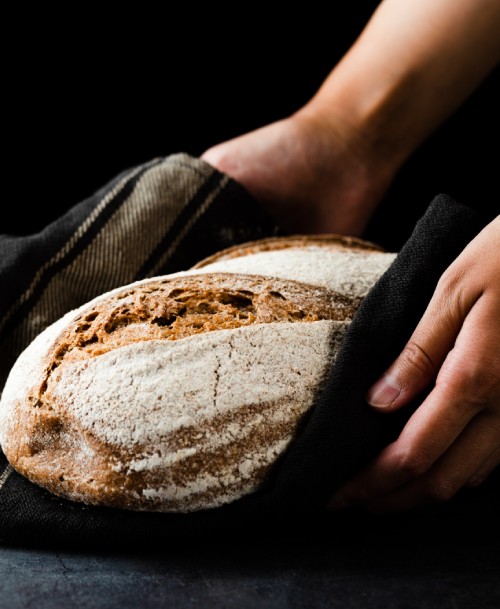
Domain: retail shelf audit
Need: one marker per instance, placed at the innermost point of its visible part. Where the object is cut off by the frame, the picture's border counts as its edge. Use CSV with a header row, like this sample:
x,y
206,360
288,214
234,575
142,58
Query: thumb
x,y
418,364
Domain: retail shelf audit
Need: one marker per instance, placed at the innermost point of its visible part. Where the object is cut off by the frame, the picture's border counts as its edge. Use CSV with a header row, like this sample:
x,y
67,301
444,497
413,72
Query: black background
x,y
87,96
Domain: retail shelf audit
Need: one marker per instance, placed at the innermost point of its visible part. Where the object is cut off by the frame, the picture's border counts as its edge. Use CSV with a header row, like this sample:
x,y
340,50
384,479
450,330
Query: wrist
x,y
412,66
346,181
374,118
362,124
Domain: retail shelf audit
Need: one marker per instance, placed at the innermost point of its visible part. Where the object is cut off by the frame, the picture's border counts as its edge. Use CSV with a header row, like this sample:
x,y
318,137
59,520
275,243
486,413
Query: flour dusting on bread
x,y
182,392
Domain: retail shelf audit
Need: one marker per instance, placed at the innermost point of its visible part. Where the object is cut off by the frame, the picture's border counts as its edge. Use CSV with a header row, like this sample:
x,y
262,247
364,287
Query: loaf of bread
x,y
180,393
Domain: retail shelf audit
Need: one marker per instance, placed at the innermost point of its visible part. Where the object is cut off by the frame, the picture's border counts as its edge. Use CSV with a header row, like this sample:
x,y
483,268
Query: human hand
x,y
311,172
453,439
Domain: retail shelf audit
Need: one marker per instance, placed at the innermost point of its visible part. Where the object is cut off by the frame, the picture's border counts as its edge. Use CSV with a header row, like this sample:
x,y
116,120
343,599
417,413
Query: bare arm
x,y
413,65
326,168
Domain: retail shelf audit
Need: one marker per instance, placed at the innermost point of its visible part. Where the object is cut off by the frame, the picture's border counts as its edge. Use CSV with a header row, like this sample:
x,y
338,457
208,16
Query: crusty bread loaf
x,y
180,393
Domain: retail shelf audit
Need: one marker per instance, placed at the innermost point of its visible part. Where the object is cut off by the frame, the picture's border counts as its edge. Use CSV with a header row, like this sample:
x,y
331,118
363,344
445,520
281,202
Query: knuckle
x,y
415,359
440,491
449,284
476,382
412,464
476,481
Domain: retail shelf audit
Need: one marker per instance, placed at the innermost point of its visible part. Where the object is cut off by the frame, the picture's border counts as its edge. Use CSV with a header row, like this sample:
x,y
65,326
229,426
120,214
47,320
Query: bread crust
x,y
180,393
333,242
232,330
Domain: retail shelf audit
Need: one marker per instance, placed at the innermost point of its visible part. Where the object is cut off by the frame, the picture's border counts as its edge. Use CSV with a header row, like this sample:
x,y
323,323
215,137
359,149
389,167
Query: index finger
x,y
419,362
467,383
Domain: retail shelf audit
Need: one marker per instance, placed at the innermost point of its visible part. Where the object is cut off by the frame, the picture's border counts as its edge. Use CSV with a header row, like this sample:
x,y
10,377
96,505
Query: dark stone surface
x,y
388,568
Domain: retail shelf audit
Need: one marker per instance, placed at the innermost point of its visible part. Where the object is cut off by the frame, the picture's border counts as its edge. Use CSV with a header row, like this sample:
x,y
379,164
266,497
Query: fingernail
x,y
384,392
338,502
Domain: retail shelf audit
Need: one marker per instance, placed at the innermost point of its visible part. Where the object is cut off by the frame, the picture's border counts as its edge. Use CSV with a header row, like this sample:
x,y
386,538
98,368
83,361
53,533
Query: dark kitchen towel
x,y
163,217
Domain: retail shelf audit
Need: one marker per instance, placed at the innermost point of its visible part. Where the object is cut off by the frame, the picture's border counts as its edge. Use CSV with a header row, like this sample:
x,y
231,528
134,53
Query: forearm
x,y
412,66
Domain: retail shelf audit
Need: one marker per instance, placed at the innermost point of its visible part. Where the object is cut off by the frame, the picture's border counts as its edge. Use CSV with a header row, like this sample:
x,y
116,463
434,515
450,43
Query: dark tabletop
x,y
384,566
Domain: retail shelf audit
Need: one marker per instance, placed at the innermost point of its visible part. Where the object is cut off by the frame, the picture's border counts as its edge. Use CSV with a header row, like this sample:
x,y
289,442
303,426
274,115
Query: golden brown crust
x,y
56,452
329,241
137,402
51,462
172,309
